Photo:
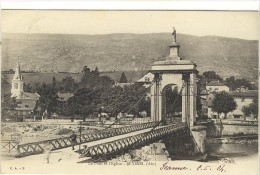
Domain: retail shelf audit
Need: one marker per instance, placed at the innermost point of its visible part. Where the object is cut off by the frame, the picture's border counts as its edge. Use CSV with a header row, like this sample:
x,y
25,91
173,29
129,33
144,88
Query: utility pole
x,y
80,130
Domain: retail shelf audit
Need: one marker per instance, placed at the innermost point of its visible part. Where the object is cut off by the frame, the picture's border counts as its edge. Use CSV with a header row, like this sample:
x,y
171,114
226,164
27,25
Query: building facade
x,y
216,86
242,96
26,101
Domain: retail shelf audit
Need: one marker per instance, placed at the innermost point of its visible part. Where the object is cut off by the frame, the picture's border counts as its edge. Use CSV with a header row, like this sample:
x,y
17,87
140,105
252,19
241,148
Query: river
x,y
232,150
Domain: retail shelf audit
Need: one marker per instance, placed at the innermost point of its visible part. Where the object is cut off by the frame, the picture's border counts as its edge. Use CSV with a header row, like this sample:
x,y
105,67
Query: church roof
x,y
28,95
26,104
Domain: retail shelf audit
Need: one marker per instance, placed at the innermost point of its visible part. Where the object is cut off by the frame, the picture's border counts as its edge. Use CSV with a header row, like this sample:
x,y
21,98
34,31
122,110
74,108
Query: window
x,y
215,116
146,79
15,85
237,116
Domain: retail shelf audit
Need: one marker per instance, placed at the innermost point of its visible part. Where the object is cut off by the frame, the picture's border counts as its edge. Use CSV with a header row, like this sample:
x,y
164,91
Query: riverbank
x,y
26,132
242,139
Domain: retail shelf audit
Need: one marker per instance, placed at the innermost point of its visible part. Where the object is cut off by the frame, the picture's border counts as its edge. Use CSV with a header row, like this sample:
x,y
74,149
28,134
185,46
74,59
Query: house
x,y
204,102
63,98
212,114
216,86
122,84
26,100
242,96
146,80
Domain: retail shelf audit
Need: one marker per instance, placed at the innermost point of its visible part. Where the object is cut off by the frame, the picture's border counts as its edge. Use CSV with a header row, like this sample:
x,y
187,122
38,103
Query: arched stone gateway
x,y
174,70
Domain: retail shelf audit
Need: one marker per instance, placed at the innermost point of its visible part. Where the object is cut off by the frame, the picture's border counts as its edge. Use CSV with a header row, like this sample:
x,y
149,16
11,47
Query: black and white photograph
x,y
129,92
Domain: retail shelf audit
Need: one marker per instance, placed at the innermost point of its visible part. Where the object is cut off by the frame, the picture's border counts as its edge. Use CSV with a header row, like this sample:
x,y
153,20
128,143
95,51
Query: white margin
x,y
248,5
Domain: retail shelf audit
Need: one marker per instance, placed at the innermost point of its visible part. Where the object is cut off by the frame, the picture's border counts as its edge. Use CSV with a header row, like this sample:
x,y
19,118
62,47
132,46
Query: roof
x,y
215,83
147,77
26,104
245,94
64,96
122,84
24,109
248,93
203,92
28,95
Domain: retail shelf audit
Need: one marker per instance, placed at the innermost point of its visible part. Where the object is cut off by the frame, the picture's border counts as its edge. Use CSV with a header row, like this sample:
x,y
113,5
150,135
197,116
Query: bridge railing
x,y
9,146
59,143
132,142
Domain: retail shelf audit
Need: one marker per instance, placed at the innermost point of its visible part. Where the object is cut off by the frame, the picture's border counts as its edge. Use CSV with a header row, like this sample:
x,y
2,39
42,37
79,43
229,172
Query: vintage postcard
x,y
129,92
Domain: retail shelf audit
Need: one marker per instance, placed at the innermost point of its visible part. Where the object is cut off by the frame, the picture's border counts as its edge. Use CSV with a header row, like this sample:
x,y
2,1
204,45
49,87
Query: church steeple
x,y
17,74
174,47
17,82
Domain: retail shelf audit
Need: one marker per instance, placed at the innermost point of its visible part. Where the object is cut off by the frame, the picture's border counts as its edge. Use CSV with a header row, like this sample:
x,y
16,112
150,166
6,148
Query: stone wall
x,y
218,129
239,129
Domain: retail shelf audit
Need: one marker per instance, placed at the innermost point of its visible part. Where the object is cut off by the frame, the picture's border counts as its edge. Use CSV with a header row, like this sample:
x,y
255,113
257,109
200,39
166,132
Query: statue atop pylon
x,y
174,35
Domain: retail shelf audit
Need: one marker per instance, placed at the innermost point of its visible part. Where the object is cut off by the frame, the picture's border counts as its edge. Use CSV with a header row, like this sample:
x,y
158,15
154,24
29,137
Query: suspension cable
x,y
133,105
175,101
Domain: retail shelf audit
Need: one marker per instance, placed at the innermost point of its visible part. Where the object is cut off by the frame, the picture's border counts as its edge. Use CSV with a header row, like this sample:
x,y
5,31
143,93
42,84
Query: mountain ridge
x,y
124,52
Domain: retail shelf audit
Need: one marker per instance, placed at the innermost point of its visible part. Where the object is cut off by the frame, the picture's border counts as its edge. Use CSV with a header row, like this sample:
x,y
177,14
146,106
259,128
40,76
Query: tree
x,y
211,75
48,99
233,83
8,105
251,108
124,99
84,102
5,84
53,82
28,87
67,85
96,72
223,103
123,78
173,101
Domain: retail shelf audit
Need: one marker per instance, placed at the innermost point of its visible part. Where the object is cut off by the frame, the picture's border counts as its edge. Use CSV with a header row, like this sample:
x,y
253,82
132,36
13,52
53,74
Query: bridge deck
x,y
98,142
38,147
118,144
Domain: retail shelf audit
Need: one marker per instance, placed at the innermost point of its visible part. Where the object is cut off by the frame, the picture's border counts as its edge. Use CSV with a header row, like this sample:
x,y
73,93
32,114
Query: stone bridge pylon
x,y
174,71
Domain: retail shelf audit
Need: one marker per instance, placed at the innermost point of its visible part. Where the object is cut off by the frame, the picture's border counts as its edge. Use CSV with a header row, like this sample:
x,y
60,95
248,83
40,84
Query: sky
x,y
244,25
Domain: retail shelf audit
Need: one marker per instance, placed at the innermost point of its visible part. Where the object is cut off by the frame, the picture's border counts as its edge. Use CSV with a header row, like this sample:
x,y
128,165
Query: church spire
x,y
17,82
17,74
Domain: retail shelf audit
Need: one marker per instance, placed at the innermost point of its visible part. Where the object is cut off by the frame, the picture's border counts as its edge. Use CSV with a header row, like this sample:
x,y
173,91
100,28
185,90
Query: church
x,y
26,100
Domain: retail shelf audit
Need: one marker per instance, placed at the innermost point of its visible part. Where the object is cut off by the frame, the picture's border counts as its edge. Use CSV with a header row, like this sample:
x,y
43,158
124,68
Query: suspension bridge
x,y
116,138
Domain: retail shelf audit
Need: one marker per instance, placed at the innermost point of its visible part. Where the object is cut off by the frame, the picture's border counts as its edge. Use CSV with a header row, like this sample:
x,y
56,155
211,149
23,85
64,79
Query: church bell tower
x,y
17,82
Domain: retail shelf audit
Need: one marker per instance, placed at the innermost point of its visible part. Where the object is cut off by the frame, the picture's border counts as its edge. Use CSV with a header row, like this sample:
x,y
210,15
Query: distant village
x,y
29,103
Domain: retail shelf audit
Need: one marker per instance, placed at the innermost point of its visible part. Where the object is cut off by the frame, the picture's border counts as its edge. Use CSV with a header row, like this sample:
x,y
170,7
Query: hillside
x,y
127,52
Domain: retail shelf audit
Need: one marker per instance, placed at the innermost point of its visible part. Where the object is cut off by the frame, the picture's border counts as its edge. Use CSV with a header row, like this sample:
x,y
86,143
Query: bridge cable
x,y
175,101
132,106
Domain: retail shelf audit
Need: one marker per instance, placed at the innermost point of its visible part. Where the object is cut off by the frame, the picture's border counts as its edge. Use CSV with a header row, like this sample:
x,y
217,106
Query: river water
x,y
232,150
